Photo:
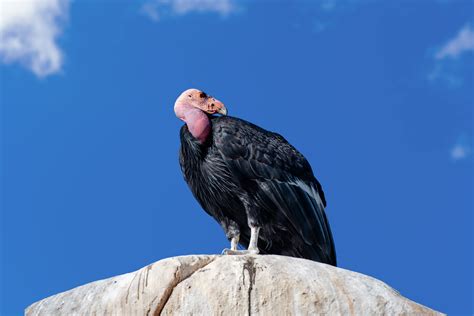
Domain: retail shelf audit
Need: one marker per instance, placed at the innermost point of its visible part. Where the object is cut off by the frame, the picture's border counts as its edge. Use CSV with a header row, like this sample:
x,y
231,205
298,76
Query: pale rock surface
x,y
232,285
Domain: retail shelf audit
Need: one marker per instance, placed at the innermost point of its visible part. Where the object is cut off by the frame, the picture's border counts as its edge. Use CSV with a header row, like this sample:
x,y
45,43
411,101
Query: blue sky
x,y
376,94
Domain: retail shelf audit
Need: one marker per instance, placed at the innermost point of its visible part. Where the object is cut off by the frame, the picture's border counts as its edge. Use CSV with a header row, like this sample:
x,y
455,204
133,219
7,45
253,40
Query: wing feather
x,y
287,190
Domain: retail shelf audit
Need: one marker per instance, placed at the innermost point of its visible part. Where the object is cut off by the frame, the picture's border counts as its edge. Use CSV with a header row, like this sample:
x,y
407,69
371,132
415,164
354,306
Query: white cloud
x,y
461,149
28,33
452,61
157,9
462,43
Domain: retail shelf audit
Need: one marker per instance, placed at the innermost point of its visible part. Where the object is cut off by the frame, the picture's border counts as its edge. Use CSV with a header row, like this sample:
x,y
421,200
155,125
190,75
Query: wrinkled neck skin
x,y
197,121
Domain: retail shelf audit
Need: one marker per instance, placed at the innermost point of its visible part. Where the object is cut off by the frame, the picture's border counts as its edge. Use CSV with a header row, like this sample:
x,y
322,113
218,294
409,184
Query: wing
x,y
286,189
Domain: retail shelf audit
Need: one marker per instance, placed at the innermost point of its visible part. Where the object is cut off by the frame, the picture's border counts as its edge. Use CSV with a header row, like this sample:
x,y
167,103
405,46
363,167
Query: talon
x,y
239,252
253,251
228,251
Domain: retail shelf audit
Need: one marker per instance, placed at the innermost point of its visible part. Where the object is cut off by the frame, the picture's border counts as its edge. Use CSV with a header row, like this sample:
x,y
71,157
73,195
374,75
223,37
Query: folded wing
x,y
282,185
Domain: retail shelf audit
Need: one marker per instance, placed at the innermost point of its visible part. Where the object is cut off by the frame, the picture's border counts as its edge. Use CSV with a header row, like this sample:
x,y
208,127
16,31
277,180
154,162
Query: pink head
x,y
191,107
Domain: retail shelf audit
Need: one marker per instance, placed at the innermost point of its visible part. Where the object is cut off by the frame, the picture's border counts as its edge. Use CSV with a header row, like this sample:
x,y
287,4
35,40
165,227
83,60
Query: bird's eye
x,y
189,95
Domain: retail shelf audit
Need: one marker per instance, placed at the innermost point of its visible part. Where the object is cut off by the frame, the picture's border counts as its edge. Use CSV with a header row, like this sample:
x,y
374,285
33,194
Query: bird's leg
x,y
254,230
233,247
233,234
253,244
253,247
234,242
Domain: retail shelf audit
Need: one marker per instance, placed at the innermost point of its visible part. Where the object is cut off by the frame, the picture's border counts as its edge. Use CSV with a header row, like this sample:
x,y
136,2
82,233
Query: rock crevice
x,y
249,266
179,277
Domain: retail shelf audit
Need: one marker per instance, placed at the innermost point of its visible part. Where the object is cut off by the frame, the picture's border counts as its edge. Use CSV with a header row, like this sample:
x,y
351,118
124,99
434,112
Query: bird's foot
x,y
240,252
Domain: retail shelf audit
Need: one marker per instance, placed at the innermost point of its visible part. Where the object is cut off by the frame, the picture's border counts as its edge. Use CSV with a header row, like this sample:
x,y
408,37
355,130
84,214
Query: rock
x,y
232,285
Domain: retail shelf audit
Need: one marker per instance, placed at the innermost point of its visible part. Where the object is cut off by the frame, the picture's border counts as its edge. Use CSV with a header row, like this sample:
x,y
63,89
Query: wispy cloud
x,y
461,149
28,33
157,9
319,16
449,73
449,62
463,42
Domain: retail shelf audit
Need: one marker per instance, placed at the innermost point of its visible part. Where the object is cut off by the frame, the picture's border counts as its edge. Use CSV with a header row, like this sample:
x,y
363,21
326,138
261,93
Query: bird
x,y
253,182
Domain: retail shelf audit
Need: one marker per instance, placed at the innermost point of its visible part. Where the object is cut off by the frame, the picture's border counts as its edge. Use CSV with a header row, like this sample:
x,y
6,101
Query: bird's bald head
x,y
197,99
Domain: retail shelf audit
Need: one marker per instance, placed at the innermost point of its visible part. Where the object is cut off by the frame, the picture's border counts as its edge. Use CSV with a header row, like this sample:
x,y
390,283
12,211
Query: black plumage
x,y
243,174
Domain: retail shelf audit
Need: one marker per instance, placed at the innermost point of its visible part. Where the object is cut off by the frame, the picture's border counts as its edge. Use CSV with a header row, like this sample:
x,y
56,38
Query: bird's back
x,y
243,159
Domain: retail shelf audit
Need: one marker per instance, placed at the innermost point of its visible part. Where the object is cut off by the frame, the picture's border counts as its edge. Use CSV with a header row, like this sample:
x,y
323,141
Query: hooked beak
x,y
222,110
215,106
